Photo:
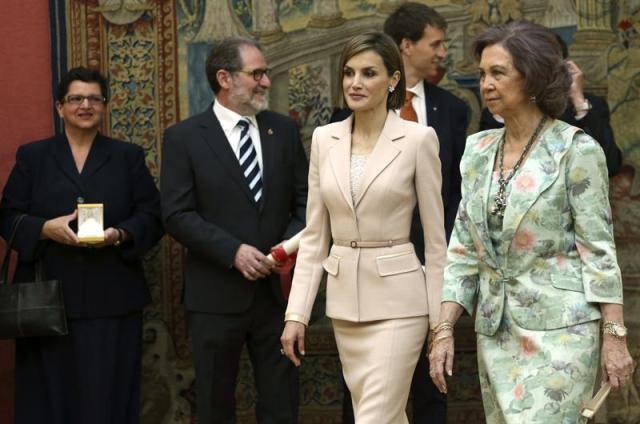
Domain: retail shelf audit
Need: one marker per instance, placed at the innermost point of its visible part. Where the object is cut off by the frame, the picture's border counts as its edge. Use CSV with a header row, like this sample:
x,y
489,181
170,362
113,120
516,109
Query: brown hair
x,y
384,46
409,21
537,55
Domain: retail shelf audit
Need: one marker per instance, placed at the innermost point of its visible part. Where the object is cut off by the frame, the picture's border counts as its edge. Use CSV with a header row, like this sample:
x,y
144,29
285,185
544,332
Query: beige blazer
x,y
367,284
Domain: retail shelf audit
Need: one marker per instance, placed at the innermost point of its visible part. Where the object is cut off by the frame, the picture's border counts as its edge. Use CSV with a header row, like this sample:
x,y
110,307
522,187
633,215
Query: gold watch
x,y
614,329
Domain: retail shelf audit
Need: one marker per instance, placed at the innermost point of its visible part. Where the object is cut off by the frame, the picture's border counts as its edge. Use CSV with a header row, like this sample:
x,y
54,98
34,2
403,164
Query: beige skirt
x,y
378,360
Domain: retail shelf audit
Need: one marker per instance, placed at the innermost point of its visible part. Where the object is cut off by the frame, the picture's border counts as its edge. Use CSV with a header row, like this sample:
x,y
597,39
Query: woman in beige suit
x,y
367,173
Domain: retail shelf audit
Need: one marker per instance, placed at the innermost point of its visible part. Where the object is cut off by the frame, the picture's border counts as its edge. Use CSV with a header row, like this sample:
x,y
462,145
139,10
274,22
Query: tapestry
x,y
153,52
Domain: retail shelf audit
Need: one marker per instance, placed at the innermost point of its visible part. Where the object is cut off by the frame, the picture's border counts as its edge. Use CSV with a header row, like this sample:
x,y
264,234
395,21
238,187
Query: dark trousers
x,y
91,375
217,344
429,405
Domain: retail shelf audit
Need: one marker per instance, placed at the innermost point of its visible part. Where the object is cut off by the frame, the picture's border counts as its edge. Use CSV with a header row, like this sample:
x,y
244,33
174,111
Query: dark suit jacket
x,y
449,117
45,184
596,123
207,206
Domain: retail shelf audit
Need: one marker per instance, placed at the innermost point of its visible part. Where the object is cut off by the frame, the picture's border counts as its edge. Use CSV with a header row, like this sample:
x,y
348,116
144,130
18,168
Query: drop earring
x,y
391,88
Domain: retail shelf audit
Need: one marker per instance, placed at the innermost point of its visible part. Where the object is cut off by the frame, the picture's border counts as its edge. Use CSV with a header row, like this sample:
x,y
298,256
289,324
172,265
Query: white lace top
x,y
358,162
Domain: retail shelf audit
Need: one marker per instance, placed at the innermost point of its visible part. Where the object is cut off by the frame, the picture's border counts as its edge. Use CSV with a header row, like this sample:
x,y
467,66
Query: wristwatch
x,y
614,329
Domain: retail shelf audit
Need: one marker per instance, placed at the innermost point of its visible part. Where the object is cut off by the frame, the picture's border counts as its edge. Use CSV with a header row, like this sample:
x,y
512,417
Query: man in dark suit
x,y
584,110
419,32
234,185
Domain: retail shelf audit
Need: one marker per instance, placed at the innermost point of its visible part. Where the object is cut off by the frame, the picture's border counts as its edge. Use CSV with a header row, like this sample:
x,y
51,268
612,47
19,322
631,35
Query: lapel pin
x,y
435,108
270,131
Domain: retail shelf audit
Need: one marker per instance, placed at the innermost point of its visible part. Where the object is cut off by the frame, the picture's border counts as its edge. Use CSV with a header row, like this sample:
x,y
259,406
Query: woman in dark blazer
x,y
91,375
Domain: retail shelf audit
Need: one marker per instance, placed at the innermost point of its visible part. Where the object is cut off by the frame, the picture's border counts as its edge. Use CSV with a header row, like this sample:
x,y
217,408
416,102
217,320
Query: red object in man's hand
x,y
286,264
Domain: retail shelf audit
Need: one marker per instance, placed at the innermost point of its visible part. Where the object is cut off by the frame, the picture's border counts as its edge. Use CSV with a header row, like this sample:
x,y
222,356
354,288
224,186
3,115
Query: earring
x,y
532,99
391,88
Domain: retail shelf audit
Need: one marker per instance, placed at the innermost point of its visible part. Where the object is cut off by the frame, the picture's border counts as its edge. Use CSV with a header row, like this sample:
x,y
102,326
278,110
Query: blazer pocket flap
x,y
331,264
397,264
567,282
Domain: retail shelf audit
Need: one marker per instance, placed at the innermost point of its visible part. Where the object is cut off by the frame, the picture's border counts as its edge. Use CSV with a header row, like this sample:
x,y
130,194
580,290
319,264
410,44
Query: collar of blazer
x,y
536,175
382,155
98,156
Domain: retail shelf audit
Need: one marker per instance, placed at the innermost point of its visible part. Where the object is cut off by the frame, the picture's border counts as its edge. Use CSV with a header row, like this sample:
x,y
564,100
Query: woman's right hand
x,y
293,334
58,230
441,360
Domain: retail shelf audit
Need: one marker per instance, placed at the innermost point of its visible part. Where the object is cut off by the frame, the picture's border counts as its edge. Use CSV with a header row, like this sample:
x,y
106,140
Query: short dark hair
x,y
83,74
409,21
226,55
384,46
537,55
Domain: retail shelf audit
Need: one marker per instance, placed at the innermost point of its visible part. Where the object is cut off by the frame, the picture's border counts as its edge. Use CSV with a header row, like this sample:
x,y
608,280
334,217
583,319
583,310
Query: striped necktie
x,y
249,161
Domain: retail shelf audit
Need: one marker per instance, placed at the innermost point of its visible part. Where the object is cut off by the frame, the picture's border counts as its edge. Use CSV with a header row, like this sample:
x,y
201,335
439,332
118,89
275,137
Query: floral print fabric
x,y
535,281
557,256
537,376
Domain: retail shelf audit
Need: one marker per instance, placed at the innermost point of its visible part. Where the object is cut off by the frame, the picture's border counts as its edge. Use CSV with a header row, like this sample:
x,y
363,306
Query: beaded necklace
x,y
500,201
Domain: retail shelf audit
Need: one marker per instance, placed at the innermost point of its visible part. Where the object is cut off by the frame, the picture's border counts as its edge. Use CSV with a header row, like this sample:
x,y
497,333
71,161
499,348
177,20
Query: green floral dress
x,y
535,281
534,376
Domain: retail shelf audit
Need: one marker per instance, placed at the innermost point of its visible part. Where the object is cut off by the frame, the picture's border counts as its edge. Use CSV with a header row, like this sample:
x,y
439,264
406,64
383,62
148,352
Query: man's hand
x,y
252,263
576,92
58,230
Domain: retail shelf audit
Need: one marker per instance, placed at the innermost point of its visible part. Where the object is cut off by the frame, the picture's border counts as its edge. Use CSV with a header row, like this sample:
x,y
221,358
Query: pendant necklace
x,y
500,201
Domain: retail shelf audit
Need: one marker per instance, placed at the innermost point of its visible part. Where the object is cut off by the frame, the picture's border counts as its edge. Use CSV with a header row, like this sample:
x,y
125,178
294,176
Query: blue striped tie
x,y
249,161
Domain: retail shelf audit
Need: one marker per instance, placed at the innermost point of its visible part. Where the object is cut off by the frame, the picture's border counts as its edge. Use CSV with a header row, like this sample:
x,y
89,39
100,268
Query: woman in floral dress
x,y
532,251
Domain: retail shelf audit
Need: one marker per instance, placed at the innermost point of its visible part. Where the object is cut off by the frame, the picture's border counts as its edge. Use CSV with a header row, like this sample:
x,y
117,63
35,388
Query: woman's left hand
x,y
111,236
616,362
441,359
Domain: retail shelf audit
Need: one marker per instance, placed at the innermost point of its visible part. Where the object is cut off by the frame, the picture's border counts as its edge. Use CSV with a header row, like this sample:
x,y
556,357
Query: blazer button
x,y
80,200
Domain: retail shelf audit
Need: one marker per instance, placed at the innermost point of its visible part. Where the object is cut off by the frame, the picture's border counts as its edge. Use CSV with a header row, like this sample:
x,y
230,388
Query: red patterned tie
x,y
407,111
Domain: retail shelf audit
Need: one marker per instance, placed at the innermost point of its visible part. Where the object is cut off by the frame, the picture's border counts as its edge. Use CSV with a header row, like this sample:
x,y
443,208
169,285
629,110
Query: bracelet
x,y
120,237
442,326
439,339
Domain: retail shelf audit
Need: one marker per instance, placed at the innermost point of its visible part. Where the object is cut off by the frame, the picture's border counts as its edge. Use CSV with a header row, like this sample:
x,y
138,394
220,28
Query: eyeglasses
x,y
77,99
257,74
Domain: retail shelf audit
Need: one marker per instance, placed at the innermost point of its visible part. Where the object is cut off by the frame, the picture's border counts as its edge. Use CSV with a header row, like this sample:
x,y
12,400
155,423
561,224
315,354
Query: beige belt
x,y
370,244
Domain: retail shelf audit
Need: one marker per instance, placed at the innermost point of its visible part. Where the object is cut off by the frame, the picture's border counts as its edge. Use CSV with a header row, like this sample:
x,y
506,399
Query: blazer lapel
x,y
98,156
539,171
340,157
214,137
64,160
383,153
479,172
269,156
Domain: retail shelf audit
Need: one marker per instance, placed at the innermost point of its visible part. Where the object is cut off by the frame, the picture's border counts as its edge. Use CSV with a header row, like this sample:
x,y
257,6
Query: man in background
x,y
233,185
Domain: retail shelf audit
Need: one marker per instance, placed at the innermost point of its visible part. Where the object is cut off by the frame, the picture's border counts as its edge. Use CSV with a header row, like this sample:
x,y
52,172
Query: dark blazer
x,y
596,123
449,116
45,184
207,206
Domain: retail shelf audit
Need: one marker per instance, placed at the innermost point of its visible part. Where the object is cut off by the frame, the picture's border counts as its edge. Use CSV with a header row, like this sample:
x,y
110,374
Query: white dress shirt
x,y
419,101
229,122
